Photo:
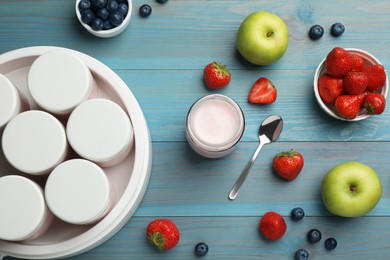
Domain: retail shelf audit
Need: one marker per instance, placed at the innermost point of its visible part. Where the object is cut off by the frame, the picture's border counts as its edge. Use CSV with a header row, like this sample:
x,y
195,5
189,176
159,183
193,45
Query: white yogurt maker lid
x,y
58,81
22,207
9,101
77,191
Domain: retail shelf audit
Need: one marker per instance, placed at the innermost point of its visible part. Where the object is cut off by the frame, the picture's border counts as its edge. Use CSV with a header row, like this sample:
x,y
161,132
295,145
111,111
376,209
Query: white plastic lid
x,y
58,81
10,103
99,130
78,192
23,208
34,142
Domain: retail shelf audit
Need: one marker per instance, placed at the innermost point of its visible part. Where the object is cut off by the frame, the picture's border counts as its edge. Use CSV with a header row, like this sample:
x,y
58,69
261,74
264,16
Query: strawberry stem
x,y
157,239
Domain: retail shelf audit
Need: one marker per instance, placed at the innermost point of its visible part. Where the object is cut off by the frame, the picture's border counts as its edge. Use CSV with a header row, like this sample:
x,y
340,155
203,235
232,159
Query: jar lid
x,y
78,192
34,142
10,104
58,81
23,208
99,130
215,123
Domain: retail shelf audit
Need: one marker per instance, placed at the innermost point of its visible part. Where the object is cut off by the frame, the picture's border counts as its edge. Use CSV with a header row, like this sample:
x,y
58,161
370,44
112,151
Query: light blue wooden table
x,y
161,58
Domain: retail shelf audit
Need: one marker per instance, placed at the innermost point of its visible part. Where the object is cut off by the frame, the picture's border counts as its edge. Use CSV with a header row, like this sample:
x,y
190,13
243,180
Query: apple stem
x,y
269,34
352,188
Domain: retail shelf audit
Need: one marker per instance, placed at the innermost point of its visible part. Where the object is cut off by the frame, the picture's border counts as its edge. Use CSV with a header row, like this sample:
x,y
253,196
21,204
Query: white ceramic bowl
x,y
330,109
106,33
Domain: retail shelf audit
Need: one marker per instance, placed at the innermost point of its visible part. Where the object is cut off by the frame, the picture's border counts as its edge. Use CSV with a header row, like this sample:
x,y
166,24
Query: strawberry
x,y
288,164
338,62
216,75
348,106
329,88
163,233
376,76
357,62
262,92
355,82
272,226
375,103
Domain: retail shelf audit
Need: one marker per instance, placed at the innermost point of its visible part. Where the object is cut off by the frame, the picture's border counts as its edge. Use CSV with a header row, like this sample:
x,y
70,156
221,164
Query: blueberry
x,y
103,13
162,1
112,6
201,249
97,24
330,243
116,19
301,254
87,16
99,3
297,213
145,10
337,29
314,236
84,5
316,32
107,25
123,9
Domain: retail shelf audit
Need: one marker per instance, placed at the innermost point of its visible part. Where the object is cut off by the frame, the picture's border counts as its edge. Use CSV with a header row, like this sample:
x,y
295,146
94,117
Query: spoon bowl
x,y
269,131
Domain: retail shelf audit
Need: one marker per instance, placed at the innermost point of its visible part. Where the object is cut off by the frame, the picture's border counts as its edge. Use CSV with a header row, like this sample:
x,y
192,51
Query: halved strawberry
x,y
262,92
329,88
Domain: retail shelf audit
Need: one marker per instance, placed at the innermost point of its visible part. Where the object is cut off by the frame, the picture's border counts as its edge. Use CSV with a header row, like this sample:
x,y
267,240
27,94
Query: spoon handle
x,y
236,187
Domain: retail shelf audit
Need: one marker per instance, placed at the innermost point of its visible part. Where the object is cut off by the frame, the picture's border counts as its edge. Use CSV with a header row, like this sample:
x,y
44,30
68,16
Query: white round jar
x,y
11,101
214,126
78,192
100,130
34,142
24,214
58,81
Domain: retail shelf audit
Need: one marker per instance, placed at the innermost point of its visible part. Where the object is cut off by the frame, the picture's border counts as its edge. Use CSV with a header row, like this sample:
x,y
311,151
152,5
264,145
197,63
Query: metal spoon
x,y
269,130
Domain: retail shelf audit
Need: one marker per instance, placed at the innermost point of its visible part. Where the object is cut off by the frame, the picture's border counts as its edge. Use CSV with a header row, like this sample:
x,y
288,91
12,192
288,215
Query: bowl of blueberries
x,y
104,18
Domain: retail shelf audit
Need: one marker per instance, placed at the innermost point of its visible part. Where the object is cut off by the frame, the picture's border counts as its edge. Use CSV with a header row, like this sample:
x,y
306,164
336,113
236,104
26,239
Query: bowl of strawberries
x,y
351,84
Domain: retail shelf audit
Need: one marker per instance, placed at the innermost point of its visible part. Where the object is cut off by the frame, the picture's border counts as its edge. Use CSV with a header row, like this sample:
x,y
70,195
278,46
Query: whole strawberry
x,y
357,62
272,226
288,164
338,62
216,75
262,92
163,233
329,88
375,103
376,76
355,82
348,106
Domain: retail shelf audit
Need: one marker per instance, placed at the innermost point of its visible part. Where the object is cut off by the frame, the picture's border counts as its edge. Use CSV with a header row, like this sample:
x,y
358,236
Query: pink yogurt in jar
x,y
24,214
78,192
58,81
215,124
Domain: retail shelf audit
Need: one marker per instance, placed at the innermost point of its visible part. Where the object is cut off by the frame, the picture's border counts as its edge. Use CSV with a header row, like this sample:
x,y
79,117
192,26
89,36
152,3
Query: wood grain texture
x,y
161,58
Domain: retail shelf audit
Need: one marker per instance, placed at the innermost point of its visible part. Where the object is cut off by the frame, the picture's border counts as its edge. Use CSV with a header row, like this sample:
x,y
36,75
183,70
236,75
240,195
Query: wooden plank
x,y
185,35
166,96
239,238
185,184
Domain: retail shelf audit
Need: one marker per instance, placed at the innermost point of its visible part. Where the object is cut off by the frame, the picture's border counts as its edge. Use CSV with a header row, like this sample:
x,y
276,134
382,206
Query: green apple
x,y
351,189
262,38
